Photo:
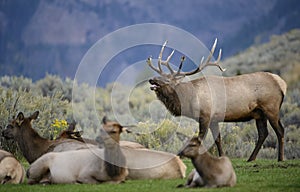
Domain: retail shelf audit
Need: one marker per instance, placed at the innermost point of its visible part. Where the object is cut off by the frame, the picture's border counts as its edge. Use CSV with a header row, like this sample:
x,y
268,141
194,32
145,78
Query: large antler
x,y
161,62
207,62
178,73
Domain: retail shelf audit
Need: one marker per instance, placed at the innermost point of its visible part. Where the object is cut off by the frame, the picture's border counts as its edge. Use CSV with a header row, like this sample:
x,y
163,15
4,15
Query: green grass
x,y
261,175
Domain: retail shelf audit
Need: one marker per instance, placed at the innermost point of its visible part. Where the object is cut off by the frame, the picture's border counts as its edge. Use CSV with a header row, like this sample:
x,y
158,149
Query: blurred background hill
x,y
281,55
52,36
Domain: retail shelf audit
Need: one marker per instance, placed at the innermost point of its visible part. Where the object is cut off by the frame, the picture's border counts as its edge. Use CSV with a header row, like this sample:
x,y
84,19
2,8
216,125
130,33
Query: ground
x,y
260,175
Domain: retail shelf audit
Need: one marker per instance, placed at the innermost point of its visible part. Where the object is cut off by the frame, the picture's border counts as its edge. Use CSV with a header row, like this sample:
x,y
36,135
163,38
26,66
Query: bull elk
x,y
250,96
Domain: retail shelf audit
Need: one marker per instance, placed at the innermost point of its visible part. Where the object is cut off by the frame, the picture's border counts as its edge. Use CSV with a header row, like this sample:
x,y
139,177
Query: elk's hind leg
x,y
272,114
279,130
261,125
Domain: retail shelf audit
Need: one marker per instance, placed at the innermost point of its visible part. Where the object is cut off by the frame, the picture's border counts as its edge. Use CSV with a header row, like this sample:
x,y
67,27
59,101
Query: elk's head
x,y
70,133
111,130
166,82
192,148
14,127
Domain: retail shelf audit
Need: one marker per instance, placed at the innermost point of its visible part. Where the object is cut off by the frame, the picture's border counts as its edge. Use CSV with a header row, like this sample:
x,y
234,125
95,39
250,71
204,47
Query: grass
x,y
261,175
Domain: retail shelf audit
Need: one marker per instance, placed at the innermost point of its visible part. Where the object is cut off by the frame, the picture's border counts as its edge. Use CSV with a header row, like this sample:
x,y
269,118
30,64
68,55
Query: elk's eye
x,y
9,126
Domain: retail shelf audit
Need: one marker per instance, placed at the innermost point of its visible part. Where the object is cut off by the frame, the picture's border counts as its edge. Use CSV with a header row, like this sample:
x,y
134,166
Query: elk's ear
x,y
20,118
72,126
125,130
34,115
78,133
104,120
199,140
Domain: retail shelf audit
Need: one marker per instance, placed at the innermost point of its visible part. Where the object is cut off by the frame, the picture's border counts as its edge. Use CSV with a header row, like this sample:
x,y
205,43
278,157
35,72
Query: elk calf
x,y
213,171
11,171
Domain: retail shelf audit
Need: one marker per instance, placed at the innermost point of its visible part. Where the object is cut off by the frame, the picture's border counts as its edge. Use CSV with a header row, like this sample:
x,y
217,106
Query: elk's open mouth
x,y
154,85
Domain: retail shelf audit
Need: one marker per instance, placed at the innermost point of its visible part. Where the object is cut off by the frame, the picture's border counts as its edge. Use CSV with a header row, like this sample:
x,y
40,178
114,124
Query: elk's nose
x,y
180,154
151,81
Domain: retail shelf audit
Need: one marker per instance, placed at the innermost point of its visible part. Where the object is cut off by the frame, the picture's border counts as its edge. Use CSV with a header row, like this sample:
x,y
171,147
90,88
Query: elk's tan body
x,y
213,99
11,170
210,171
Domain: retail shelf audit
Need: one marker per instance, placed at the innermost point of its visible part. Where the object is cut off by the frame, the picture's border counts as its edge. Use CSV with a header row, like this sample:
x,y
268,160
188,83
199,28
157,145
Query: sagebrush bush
x,y
155,127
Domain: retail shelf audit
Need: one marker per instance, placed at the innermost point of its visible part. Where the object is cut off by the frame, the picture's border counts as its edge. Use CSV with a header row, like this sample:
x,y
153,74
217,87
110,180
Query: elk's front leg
x,y
215,130
203,127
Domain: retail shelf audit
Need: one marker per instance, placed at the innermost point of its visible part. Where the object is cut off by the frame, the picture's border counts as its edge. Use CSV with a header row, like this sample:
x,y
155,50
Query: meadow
x,y
54,98
260,175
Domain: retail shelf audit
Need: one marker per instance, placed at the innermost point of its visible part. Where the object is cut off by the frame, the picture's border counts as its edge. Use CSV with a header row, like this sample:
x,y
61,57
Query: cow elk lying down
x,y
31,144
151,164
142,163
210,171
95,165
11,171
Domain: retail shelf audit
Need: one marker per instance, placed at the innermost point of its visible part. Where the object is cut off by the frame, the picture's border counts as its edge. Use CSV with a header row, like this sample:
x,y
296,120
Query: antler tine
x,y
181,64
166,62
214,63
160,55
218,60
212,51
207,62
149,62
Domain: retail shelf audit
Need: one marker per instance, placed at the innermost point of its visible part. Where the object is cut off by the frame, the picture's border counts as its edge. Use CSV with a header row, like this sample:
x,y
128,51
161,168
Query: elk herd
x,y
107,159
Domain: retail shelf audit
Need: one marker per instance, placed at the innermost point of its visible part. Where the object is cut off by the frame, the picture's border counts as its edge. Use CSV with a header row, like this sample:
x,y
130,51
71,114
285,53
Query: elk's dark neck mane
x,y
32,145
114,160
169,97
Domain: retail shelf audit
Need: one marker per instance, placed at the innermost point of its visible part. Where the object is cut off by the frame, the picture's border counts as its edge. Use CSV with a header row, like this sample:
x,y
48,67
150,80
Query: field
x,y
261,175
54,98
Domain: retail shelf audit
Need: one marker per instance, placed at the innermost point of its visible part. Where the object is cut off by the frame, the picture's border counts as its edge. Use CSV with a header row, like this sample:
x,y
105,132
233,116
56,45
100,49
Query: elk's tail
x,y
281,83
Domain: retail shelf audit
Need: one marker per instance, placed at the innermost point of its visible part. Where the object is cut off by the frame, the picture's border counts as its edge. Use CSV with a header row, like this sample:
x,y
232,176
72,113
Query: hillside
x,y
39,36
281,55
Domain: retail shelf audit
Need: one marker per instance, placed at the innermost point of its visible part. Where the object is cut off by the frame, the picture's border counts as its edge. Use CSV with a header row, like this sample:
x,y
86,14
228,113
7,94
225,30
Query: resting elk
x,y
107,164
144,163
141,163
250,96
11,170
31,144
210,171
